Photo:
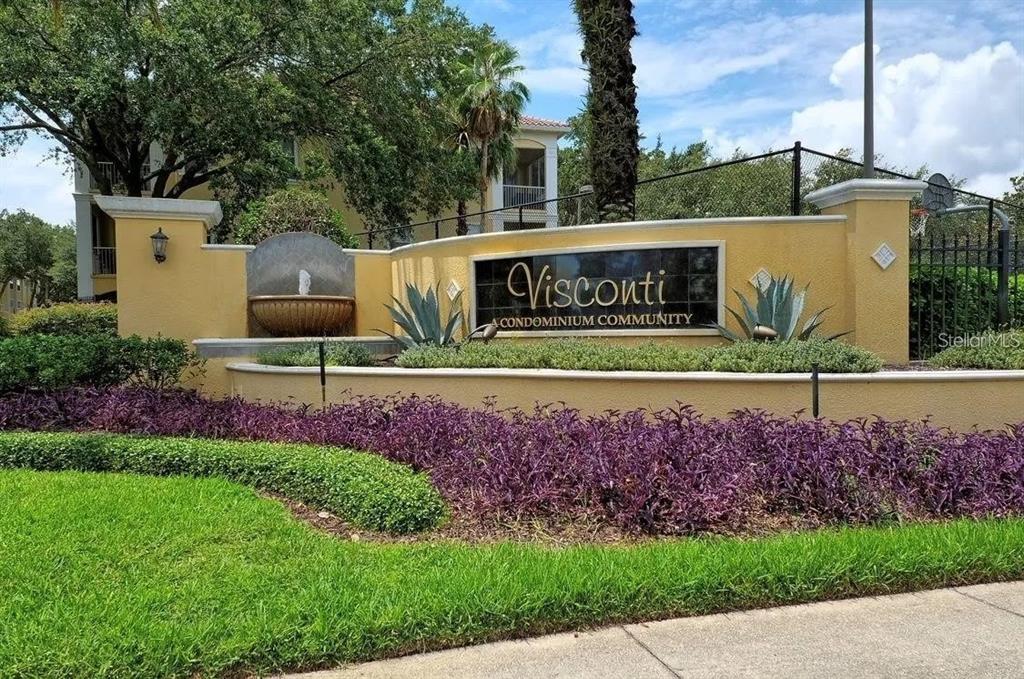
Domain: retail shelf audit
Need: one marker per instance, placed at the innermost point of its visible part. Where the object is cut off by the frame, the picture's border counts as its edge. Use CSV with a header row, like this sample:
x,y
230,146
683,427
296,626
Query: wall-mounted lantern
x,y
159,240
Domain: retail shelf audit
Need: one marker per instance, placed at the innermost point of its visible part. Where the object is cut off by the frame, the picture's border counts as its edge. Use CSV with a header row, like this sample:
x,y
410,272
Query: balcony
x,y
115,178
523,195
104,261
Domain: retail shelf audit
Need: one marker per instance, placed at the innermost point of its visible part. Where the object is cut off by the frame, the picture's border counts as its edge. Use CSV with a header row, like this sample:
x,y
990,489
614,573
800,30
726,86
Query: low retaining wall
x,y
956,399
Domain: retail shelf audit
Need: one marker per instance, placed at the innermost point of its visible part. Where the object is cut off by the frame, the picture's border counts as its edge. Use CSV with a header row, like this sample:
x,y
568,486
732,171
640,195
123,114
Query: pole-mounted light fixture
x,y
159,240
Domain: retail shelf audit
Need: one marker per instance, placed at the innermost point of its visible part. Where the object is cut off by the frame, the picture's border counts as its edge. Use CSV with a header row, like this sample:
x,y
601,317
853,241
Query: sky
x,y
756,75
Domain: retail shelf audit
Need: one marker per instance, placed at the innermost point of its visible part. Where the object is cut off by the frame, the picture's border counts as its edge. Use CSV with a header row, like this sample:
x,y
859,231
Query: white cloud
x,y
668,69
848,72
959,116
29,182
663,69
552,61
963,117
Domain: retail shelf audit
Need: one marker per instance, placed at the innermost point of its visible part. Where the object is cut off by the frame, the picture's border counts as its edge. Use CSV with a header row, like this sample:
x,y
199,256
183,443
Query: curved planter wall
x,y
957,399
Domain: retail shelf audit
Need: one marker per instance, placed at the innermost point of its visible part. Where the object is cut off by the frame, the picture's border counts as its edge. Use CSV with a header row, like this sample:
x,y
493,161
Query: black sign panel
x,y
672,288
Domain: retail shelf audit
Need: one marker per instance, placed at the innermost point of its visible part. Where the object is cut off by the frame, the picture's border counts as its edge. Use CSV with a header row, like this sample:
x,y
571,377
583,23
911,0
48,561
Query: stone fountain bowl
x,y
302,315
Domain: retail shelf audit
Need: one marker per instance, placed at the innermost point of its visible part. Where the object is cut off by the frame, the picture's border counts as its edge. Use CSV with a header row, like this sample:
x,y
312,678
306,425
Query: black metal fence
x,y
965,277
962,285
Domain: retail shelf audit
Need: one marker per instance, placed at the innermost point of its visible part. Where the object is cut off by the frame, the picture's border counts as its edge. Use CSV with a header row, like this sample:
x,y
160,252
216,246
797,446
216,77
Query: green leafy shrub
x,y
987,351
793,356
292,209
157,362
421,320
573,354
956,301
5,326
365,490
336,354
73,318
59,361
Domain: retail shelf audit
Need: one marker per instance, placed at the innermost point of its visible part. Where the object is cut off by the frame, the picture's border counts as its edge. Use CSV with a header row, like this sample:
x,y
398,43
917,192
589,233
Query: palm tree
x,y
492,104
460,142
608,28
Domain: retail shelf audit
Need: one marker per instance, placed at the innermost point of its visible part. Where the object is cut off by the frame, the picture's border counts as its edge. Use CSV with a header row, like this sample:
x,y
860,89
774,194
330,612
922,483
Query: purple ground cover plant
x,y
670,472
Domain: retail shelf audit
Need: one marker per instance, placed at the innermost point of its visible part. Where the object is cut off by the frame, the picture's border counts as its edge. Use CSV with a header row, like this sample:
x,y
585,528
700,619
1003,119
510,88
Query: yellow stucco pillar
x,y
198,291
877,288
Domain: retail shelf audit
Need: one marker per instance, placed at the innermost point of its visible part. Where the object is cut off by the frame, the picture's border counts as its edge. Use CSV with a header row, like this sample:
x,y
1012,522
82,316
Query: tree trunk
x,y
483,186
608,28
461,227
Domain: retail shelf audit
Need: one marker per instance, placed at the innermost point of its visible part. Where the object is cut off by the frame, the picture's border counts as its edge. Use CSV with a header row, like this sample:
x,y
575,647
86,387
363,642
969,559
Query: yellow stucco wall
x,y
984,399
198,292
373,290
103,283
812,250
878,301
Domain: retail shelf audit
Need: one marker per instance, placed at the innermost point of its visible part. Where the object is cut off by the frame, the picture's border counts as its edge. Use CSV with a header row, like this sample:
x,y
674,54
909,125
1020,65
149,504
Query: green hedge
x,y
336,354
66,319
59,361
573,354
365,490
956,302
987,351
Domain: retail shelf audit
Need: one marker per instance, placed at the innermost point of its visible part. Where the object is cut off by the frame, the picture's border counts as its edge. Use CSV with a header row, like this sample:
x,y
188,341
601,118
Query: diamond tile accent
x,y
452,289
761,279
884,256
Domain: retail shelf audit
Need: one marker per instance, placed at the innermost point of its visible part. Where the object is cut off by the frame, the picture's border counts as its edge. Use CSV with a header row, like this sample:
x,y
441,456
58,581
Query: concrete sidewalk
x,y
964,632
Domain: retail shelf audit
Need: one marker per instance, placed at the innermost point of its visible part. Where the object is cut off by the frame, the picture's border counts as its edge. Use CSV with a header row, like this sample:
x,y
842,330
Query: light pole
x,y
869,92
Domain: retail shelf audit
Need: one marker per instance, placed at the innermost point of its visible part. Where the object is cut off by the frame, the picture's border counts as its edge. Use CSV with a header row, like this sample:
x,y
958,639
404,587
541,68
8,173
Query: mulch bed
x,y
547,533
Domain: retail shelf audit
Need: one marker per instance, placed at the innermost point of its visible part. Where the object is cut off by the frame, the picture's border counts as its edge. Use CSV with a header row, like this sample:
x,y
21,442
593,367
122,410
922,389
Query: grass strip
x,y
363,489
120,575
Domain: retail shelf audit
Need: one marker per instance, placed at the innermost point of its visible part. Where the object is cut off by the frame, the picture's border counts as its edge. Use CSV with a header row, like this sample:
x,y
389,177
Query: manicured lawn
x,y
106,574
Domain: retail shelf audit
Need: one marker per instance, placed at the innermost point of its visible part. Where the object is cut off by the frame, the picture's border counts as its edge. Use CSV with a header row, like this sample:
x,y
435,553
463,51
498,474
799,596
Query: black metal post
x,y
815,405
437,229
795,202
990,255
323,374
369,240
1003,288
520,217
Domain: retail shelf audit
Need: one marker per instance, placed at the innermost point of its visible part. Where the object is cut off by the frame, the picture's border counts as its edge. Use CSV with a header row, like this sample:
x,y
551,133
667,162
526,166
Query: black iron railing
x,y
769,184
966,275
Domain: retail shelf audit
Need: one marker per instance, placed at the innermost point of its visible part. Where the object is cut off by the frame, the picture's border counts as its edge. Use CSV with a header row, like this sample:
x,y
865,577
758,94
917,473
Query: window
x,y
291,149
536,170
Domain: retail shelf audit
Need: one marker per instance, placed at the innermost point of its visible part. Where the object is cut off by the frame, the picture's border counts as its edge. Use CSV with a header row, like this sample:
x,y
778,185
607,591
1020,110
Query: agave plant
x,y
776,314
421,320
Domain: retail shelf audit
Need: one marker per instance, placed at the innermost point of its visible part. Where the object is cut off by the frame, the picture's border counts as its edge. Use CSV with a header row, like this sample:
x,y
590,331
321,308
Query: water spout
x,y
304,282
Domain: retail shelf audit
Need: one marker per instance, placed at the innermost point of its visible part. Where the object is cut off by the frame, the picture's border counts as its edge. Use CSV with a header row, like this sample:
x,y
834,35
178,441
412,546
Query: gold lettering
x,y
597,293
532,289
562,288
576,293
628,291
646,285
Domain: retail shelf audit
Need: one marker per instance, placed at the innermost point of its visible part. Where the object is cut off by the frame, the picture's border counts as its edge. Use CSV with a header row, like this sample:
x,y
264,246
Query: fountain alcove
x,y
300,285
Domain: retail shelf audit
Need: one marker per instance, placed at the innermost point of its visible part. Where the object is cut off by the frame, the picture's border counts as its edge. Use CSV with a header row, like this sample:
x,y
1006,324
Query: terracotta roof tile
x,y
534,121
